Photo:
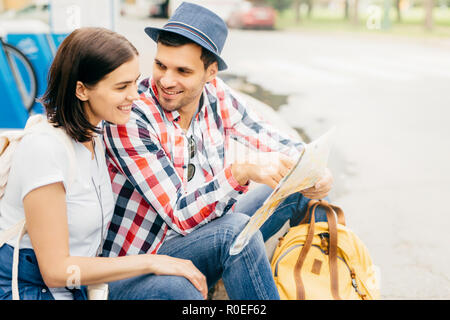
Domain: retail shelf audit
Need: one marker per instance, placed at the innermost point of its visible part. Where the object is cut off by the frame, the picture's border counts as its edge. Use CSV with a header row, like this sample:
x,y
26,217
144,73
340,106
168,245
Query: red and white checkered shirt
x,y
147,162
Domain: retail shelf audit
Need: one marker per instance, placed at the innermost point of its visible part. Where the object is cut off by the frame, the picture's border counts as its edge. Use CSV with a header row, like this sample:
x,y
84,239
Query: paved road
x,y
390,101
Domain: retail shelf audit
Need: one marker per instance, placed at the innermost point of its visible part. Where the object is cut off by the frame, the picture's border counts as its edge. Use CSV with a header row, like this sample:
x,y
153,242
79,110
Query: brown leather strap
x,y
332,229
301,258
337,210
307,216
339,213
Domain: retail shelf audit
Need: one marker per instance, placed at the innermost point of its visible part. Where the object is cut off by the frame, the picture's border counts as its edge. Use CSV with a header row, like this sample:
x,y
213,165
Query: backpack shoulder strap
x,y
9,141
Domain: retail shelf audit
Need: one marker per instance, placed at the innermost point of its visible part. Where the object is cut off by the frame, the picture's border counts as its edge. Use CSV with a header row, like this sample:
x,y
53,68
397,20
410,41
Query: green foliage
x,y
280,5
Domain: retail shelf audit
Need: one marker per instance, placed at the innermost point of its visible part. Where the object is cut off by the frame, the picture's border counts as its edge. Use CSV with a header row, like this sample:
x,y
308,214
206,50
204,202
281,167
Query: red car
x,y
250,15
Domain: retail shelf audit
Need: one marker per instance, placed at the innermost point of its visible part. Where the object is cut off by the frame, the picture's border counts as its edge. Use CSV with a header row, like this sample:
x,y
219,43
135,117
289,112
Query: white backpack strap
x,y
10,233
18,229
9,141
15,267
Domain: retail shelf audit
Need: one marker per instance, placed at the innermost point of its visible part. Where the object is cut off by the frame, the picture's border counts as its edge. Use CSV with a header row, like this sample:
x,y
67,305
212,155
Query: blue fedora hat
x,y
198,24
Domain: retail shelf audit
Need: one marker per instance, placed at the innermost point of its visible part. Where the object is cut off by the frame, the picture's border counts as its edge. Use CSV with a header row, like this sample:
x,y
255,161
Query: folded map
x,y
309,167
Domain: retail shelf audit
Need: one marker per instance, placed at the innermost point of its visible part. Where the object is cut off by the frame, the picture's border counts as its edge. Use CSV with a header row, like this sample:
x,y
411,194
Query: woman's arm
x,y
45,212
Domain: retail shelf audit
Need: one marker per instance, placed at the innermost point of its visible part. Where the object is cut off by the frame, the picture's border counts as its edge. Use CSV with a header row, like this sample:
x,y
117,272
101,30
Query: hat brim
x,y
154,32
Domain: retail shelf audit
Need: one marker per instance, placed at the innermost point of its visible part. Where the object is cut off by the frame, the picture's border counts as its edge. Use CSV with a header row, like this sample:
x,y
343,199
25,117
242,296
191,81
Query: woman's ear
x,y
211,71
81,91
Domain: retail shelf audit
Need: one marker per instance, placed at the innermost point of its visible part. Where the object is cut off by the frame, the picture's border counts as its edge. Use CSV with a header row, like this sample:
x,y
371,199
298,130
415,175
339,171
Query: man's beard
x,y
185,101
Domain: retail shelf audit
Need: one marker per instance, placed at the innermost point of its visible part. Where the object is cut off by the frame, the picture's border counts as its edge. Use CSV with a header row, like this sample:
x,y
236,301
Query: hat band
x,y
194,31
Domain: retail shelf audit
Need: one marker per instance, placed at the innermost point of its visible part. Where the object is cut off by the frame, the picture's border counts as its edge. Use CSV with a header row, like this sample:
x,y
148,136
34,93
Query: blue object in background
x,y
40,49
13,113
37,49
58,38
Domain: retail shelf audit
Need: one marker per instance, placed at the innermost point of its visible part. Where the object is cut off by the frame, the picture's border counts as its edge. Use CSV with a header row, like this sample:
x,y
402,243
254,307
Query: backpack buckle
x,y
325,242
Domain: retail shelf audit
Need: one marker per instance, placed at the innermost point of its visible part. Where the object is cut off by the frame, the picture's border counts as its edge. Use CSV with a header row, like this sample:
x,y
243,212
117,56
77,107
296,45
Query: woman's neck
x,y
90,145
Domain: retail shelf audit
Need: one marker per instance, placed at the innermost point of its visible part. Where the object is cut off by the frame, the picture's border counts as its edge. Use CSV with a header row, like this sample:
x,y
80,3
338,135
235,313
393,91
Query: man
x,y
174,186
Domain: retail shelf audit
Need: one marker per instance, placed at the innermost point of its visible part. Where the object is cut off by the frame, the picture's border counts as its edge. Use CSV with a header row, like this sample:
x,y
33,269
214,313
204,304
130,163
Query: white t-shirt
x,y
41,159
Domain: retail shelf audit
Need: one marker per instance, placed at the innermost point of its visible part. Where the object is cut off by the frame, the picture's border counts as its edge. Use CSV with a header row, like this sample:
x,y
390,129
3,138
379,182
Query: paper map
x,y
309,167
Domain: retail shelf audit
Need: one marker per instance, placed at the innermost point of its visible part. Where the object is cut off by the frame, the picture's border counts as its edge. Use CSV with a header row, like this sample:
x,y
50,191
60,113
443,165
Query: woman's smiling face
x,y
111,98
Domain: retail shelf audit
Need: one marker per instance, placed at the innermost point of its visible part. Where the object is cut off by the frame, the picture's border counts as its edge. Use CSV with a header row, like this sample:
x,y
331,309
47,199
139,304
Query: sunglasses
x,y
192,151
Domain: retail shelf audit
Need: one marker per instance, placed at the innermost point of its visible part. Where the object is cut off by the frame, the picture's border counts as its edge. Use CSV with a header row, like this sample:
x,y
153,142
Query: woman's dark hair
x,y
172,39
86,55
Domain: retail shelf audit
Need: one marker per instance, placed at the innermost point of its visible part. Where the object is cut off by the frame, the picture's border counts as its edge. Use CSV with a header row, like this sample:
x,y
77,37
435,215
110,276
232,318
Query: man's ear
x,y
81,91
211,71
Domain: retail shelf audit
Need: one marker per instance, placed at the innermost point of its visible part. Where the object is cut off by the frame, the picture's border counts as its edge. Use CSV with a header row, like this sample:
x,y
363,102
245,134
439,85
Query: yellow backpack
x,y
323,260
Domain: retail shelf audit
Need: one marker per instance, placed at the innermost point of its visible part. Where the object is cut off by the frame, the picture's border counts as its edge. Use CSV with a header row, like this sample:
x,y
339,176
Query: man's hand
x,y
268,169
321,188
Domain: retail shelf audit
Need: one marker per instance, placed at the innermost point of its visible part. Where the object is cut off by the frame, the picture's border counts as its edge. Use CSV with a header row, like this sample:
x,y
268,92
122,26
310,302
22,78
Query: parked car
x,y
159,9
248,15
222,8
145,8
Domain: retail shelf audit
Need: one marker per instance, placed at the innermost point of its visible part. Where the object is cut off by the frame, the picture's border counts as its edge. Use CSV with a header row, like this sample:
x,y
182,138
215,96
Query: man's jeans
x,y
246,276
293,207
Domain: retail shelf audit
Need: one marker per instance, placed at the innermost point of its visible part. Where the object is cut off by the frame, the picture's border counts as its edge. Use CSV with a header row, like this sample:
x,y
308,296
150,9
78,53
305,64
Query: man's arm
x,y
138,155
252,131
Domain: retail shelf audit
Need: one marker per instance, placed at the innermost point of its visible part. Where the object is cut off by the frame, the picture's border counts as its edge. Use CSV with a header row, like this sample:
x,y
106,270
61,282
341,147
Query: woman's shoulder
x,y
41,145
39,159
41,140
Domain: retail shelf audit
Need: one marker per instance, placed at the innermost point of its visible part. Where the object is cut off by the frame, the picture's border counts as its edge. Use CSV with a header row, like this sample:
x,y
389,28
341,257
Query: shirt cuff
x,y
229,185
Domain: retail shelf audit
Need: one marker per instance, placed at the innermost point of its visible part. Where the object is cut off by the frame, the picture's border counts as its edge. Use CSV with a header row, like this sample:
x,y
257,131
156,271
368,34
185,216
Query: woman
x,y
92,78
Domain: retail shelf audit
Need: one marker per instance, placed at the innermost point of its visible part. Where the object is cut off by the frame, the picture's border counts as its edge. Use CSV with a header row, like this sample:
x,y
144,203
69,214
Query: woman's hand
x,y
166,265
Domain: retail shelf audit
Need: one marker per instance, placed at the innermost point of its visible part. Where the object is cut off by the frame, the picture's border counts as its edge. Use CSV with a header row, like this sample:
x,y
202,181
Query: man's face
x,y
180,76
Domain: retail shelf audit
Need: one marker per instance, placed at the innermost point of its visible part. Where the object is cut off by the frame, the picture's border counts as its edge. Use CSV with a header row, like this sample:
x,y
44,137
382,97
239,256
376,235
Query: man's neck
x,y
186,114
186,118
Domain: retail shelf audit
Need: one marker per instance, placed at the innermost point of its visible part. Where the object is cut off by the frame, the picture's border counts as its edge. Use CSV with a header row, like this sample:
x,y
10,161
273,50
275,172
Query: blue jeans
x,y
293,208
246,276
30,282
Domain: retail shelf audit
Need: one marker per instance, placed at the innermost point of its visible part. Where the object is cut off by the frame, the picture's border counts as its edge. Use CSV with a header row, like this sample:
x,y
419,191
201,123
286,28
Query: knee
x,y
231,225
178,288
154,287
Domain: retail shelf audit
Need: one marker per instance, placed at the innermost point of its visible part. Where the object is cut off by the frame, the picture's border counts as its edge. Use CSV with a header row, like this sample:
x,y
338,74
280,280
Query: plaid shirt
x,y
147,162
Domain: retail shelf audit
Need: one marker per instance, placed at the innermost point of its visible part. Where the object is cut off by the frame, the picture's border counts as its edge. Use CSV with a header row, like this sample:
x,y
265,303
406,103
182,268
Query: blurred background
x,y
378,70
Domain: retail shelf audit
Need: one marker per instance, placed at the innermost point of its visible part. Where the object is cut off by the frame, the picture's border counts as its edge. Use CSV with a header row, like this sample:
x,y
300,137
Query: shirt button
x,y
44,290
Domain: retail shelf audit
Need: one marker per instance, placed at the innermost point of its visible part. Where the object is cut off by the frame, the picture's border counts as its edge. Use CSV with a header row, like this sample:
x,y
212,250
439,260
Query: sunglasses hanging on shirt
x,y
192,152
